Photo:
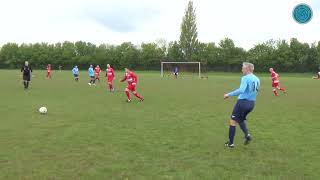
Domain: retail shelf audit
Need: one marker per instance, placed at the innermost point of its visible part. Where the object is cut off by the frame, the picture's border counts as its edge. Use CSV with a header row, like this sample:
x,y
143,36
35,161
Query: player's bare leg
x,y
111,89
128,95
275,92
48,75
135,93
281,89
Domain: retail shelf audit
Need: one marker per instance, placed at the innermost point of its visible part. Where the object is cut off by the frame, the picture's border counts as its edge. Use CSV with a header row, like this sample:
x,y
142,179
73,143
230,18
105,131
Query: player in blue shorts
x,y
247,94
91,75
75,72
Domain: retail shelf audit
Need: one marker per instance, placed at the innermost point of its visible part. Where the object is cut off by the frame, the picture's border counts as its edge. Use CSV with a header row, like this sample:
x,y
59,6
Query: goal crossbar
x,y
168,62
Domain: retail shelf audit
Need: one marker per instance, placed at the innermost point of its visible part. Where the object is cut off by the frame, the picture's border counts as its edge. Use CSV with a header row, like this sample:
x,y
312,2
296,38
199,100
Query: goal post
x,y
196,64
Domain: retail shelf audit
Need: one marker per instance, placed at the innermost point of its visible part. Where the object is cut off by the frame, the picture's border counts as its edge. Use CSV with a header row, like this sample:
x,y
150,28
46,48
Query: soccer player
x,y
176,72
110,77
49,71
75,72
317,76
26,74
275,82
97,71
247,93
91,75
132,80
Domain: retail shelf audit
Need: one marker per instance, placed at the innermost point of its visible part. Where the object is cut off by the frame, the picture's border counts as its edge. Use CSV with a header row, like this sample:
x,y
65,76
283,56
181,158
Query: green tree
x,y
299,54
288,56
317,63
151,55
313,61
189,35
206,53
10,57
262,55
282,56
68,54
127,55
174,52
229,56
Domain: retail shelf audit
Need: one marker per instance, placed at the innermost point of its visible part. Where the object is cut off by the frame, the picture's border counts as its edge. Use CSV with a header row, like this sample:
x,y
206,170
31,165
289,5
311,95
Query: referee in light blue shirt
x,y
247,94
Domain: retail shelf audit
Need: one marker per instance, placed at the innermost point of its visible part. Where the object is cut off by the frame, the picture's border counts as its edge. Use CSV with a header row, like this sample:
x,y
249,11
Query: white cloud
x,y
247,22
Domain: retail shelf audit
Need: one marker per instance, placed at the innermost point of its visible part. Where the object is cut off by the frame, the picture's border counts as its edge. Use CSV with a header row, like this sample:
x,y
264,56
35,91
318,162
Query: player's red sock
x,y
275,93
110,87
128,95
137,95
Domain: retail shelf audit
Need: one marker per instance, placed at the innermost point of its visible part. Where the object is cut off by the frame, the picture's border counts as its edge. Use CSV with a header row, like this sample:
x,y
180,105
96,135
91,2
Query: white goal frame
x,y
167,62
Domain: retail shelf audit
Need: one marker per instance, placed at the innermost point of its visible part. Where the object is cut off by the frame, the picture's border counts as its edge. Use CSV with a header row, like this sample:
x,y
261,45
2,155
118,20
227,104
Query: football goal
x,y
183,68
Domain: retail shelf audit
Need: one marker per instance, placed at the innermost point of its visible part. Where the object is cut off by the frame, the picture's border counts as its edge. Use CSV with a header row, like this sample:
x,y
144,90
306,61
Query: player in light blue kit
x,y
75,72
247,94
91,75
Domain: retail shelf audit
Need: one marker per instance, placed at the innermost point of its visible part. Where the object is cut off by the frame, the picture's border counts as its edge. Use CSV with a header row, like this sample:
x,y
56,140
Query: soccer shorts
x,y
26,77
242,108
75,75
275,85
131,87
110,80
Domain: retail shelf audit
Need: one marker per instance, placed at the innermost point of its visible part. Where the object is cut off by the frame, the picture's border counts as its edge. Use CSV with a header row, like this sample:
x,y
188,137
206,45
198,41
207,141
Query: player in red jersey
x,y
132,80
97,71
276,82
49,71
110,77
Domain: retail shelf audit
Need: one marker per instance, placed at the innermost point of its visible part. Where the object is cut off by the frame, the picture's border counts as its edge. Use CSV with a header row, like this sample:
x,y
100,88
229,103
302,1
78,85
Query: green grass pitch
x,y
178,132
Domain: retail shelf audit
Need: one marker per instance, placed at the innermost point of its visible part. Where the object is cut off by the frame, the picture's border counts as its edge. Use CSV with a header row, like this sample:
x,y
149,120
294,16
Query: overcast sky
x,y
247,22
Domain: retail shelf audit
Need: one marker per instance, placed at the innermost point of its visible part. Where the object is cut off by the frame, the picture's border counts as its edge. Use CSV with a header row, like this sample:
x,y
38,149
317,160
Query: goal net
x,y
183,68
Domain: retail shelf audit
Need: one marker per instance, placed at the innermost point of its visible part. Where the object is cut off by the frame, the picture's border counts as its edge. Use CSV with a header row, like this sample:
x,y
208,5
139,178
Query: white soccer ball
x,y
43,110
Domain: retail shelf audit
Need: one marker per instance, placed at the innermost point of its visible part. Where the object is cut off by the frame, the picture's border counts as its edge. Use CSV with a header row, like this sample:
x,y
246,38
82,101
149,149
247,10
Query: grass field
x,y
178,132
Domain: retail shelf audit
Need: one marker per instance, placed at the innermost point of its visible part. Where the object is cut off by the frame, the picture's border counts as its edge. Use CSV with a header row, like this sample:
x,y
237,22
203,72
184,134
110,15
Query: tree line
x,y
292,56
